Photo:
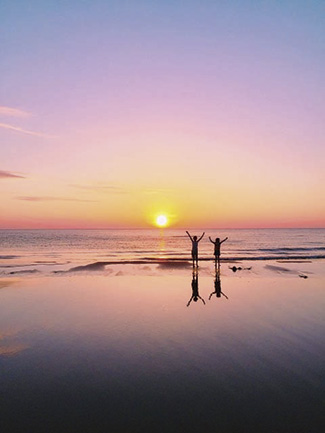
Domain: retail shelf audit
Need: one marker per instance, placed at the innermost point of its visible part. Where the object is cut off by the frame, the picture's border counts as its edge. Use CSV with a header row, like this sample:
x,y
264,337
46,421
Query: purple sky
x,y
209,111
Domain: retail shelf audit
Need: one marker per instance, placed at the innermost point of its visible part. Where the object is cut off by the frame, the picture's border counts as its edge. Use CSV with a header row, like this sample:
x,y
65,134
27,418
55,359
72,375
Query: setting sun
x,y
161,220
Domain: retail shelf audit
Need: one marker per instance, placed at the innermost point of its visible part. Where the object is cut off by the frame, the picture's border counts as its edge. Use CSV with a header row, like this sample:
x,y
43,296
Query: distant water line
x,y
62,249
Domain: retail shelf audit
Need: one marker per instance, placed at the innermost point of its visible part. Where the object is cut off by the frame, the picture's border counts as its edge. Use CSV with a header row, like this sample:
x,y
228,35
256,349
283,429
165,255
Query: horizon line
x,y
164,228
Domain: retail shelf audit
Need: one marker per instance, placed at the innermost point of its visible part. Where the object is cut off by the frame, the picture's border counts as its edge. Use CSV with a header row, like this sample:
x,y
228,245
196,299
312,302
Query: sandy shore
x,y
122,348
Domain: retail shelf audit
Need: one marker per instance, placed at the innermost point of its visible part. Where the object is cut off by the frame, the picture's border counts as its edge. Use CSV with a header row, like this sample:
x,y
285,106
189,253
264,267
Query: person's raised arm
x,y
211,240
189,301
224,240
201,237
189,235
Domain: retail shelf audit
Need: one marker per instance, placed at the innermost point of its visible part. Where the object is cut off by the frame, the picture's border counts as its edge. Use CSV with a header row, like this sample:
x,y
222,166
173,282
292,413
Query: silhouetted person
x,y
195,289
195,241
217,287
217,244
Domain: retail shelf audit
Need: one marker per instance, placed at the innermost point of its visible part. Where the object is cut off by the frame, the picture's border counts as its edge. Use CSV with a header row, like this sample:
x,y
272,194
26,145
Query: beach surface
x,y
124,348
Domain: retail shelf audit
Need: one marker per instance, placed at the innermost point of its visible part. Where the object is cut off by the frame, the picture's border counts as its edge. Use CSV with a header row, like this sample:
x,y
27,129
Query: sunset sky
x,y
209,112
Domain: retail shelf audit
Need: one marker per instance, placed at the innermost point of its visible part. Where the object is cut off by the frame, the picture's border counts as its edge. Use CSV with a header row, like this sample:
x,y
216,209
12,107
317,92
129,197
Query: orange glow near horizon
x,y
97,205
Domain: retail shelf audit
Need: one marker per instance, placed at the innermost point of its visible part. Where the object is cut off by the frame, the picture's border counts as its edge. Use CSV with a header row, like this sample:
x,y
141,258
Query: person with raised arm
x,y
217,244
195,242
195,289
217,287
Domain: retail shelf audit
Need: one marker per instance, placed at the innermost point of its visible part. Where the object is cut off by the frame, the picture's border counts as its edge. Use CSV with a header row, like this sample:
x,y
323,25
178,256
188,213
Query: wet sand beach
x,y
118,349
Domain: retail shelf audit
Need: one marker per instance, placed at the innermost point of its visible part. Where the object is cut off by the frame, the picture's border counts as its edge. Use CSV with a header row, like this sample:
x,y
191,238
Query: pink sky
x,y
112,113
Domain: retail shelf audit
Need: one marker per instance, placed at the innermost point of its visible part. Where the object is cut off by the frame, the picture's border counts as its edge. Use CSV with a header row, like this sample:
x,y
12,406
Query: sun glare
x,y
161,221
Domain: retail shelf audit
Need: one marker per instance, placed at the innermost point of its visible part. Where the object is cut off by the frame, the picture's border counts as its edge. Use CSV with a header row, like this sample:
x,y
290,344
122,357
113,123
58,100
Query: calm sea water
x,y
146,244
58,248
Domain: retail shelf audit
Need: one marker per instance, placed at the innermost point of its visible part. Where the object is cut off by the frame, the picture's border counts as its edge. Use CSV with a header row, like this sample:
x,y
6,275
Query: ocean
x,y
55,250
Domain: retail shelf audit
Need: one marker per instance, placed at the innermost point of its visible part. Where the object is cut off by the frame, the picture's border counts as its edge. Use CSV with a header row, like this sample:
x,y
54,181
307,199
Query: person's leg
x,y
218,262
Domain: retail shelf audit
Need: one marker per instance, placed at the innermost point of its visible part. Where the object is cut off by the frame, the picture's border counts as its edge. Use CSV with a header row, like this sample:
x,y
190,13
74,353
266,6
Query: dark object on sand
x,y
303,276
174,264
235,268
27,271
97,266
239,268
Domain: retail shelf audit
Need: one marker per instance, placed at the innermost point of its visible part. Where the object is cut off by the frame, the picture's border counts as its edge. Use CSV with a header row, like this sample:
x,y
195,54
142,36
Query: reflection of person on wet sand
x,y
195,243
217,244
217,287
195,290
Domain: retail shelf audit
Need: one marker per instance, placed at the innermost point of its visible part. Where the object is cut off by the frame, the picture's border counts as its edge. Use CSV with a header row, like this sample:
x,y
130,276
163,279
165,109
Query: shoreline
x,y
162,266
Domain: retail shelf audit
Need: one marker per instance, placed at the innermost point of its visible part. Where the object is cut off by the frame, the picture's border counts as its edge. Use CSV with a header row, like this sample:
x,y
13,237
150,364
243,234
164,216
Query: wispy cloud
x,y
8,174
13,112
49,198
24,131
102,188
153,191
16,112
115,189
